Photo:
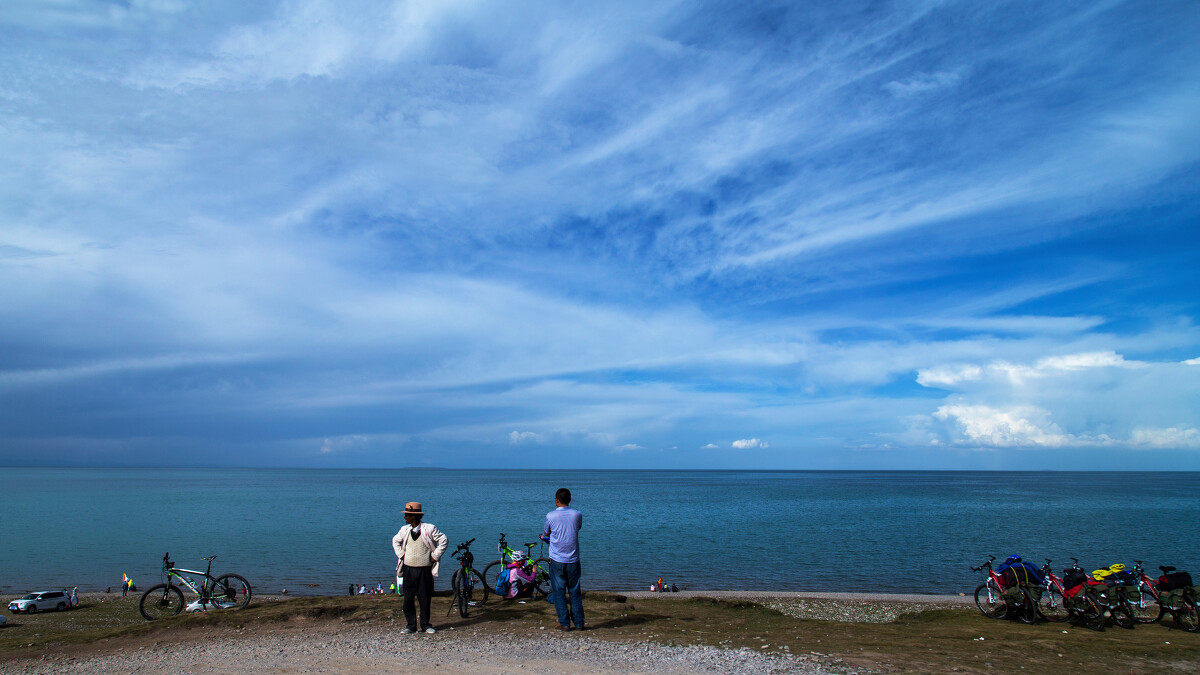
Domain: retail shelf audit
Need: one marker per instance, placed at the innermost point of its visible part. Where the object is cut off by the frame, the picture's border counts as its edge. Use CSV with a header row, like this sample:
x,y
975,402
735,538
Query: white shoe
x,y
430,630
407,631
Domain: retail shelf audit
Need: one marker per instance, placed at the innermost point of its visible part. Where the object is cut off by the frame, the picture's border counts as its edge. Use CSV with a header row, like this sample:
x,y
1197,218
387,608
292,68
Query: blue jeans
x,y
564,579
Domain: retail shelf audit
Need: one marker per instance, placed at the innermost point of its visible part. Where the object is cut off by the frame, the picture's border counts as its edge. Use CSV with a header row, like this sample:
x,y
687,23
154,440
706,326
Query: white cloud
x,y
518,437
628,447
1017,427
1193,362
749,443
710,446
952,375
1170,438
921,83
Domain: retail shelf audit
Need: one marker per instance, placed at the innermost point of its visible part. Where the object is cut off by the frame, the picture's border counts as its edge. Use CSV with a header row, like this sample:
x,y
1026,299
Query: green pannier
x,y
1130,592
1035,592
1172,599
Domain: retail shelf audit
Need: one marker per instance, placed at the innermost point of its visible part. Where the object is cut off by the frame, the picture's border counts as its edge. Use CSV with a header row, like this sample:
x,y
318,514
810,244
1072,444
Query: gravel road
x,y
363,649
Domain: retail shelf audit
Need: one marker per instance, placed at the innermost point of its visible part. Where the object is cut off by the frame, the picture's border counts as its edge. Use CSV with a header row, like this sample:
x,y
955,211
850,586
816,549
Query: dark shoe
x,y
564,628
580,627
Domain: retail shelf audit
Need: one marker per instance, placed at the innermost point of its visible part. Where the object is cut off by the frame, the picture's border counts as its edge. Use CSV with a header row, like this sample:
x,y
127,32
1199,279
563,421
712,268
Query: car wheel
x,y
61,606
32,609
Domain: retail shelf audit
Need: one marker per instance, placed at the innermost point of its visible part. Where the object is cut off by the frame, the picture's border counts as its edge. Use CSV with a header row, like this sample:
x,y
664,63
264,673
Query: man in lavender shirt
x,y
562,531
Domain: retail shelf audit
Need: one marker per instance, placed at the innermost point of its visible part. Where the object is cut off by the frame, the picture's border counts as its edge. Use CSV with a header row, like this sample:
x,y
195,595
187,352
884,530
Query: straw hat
x,y
413,509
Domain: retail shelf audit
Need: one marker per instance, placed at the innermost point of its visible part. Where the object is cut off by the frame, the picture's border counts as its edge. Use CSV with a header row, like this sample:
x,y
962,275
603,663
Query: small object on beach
x,y
978,639
1064,632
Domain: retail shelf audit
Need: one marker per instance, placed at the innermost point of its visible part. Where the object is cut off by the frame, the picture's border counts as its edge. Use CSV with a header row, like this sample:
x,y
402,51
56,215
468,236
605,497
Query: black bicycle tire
x,y
221,588
1187,616
1027,612
491,572
1145,591
460,600
1121,609
1051,599
167,591
996,612
478,591
1092,615
541,586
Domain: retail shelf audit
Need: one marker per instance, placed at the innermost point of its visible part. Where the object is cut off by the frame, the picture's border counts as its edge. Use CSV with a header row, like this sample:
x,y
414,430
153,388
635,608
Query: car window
x,y
31,596
55,594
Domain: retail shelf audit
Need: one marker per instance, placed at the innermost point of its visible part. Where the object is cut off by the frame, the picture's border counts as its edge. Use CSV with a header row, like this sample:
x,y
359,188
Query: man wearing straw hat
x,y
418,546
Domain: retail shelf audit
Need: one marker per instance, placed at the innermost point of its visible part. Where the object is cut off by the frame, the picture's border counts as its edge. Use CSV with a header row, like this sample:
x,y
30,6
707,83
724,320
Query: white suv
x,y
43,601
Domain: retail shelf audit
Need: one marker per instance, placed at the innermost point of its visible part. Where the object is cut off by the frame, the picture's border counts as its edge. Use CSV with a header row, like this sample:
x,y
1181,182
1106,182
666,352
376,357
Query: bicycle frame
x,y
995,582
203,589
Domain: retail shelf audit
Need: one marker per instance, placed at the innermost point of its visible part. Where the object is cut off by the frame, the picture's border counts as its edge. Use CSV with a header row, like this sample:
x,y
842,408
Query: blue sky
x,y
947,235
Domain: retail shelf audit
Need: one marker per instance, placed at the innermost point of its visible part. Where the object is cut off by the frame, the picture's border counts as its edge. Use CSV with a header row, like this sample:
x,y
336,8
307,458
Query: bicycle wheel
x,y
1187,617
1027,610
1089,612
1122,615
1146,609
231,591
160,601
990,601
1052,606
541,580
456,583
491,572
475,590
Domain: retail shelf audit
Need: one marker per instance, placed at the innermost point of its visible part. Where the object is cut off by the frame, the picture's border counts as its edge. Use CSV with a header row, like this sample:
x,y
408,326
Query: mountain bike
x,y
996,602
538,569
1109,596
469,587
228,591
1147,608
1183,606
1058,603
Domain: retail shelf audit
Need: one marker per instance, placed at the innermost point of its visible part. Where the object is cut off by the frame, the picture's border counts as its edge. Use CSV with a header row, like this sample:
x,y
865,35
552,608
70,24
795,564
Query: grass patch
x,y
935,640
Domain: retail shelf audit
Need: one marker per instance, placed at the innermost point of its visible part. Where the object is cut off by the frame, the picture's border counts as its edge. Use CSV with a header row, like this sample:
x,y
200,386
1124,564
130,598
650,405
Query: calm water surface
x,y
802,531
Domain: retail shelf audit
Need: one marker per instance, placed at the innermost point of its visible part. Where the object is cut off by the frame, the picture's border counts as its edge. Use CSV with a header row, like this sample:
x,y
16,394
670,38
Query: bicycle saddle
x,y
1167,569
528,545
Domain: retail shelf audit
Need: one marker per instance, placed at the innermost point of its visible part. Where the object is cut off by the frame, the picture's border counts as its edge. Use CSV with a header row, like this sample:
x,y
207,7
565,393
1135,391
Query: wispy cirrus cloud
x,y
344,230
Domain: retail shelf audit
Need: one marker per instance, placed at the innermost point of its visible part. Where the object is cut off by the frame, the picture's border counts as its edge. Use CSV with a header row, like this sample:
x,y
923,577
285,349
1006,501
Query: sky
x,y
695,235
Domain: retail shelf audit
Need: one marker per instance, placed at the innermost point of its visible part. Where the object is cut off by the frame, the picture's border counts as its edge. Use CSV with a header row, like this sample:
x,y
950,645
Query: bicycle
x,y
1183,606
228,591
1078,605
1148,607
996,602
1107,595
467,583
538,569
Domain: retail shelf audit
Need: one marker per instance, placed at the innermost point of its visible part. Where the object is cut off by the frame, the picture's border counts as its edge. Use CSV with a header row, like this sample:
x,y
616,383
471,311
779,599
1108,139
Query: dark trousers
x,y
564,580
418,587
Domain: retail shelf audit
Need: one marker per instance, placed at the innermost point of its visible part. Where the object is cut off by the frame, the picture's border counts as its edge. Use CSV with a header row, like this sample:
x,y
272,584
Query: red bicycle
x,y
1154,602
1148,607
996,602
1056,606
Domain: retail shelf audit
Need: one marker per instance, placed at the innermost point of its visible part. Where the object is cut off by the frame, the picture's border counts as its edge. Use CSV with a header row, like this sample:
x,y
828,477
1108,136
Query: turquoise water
x,y
802,531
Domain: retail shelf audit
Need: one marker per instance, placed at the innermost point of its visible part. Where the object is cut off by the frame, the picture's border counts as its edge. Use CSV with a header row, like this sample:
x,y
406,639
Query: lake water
x,y
792,531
